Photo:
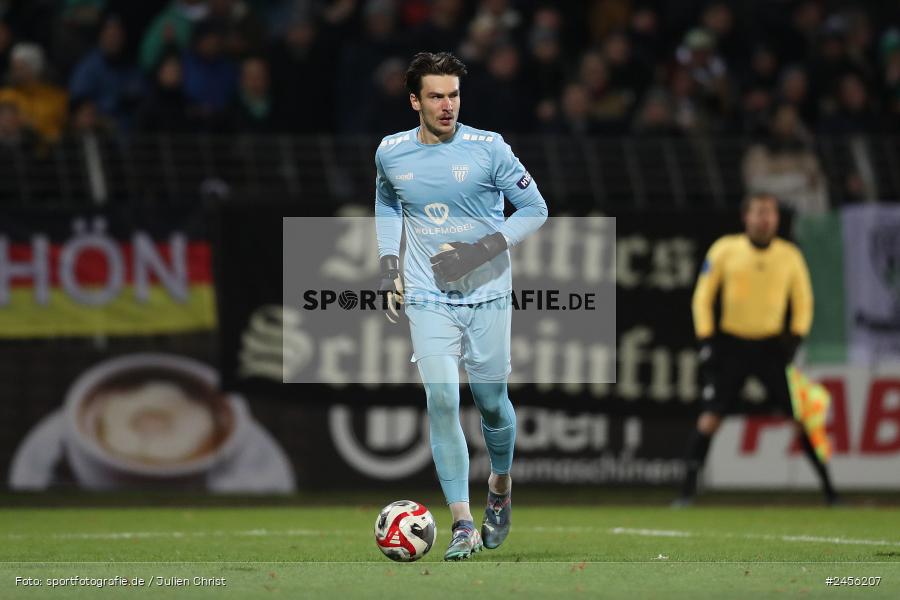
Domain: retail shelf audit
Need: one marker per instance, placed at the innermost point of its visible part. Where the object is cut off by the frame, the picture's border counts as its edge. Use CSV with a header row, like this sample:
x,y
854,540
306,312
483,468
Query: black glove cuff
x,y
390,262
493,244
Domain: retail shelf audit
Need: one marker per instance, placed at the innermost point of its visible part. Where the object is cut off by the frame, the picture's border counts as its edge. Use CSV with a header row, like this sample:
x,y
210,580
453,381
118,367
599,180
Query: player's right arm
x,y
388,230
388,213
708,282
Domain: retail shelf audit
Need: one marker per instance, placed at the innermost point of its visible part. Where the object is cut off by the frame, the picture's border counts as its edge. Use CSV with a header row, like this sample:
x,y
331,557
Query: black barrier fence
x,y
609,173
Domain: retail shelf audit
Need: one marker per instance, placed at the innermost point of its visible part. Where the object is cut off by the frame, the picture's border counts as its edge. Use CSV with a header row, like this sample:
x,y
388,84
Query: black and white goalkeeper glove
x,y
391,287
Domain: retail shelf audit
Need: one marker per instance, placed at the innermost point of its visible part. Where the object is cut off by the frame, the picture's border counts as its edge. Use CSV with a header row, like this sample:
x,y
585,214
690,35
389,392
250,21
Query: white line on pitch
x,y
670,533
127,535
753,536
650,532
819,539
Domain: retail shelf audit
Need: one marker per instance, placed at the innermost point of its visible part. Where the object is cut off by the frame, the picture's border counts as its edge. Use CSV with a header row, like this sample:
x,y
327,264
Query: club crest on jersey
x,y
460,172
437,212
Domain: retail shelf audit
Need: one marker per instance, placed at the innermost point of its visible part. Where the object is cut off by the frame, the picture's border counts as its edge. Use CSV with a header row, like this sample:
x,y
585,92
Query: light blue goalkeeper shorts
x,y
478,334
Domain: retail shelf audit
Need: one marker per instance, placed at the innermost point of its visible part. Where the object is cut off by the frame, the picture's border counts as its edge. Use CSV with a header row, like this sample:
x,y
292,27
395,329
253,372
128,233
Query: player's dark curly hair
x,y
429,63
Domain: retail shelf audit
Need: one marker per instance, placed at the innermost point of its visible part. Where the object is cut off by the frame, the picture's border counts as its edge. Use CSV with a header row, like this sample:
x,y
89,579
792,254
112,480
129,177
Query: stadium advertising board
x,y
358,434
257,434
101,273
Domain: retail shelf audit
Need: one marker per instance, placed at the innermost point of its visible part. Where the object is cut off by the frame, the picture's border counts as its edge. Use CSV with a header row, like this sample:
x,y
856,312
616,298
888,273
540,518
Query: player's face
x,y
761,220
438,105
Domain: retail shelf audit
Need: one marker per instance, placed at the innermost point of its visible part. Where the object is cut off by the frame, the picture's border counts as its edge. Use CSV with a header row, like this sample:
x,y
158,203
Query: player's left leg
x,y
498,425
487,361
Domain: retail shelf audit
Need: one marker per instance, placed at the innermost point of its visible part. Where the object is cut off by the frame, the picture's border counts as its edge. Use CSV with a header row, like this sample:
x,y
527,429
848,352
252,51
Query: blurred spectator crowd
x,y
780,71
601,67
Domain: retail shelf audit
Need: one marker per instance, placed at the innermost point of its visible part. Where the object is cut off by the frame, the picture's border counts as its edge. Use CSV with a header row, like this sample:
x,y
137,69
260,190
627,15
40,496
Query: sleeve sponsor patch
x,y
525,181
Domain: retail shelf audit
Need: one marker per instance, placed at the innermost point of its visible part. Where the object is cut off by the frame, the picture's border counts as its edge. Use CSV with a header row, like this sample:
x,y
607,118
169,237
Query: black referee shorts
x,y
733,360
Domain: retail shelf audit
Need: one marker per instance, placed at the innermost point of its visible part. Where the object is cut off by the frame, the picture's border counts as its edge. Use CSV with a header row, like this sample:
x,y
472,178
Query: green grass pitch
x,y
553,552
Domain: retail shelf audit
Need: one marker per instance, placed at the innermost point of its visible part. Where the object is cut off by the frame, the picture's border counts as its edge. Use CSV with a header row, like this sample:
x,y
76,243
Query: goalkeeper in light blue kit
x,y
444,184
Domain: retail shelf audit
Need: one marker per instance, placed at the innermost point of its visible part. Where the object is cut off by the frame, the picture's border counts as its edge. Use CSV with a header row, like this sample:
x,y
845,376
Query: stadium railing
x,y
608,174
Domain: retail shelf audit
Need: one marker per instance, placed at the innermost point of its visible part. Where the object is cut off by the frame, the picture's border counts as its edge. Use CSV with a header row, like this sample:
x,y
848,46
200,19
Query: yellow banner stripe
x,y
23,317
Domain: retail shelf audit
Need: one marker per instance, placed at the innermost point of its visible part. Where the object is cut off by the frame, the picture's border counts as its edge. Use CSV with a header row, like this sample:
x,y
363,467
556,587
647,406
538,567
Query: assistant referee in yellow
x,y
756,276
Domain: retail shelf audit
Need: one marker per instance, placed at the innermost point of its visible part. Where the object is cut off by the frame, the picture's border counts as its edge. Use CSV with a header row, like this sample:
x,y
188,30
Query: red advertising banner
x,y
78,275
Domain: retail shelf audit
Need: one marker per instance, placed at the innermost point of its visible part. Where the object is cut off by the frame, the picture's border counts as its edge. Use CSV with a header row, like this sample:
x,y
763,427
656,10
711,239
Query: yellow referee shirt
x,y
756,286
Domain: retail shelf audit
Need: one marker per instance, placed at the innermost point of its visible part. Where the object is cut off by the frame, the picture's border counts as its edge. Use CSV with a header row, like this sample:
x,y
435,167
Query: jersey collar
x,y
439,144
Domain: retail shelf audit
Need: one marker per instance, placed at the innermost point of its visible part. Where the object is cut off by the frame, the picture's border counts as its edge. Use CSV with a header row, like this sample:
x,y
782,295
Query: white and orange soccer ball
x,y
405,530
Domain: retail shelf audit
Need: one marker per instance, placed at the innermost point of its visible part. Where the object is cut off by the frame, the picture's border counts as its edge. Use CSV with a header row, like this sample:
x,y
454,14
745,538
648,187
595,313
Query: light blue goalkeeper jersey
x,y
452,192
